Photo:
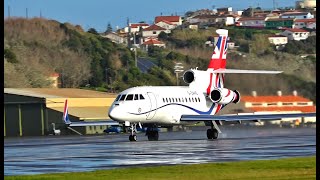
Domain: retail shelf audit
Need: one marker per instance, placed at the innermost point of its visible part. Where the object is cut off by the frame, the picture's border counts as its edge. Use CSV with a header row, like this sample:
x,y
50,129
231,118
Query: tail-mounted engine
x,y
224,96
193,75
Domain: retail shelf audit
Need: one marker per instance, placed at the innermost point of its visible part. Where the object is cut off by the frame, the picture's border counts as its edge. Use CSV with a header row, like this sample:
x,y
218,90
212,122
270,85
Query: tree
x,y
109,28
10,56
93,31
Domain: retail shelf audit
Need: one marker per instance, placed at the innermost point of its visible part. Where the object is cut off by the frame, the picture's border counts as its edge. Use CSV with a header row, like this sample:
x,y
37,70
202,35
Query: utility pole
x,y
27,13
9,12
135,57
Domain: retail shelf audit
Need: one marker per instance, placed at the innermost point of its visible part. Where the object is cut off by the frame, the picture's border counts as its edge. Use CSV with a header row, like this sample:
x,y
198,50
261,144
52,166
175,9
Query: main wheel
x,y
153,135
209,134
215,134
212,134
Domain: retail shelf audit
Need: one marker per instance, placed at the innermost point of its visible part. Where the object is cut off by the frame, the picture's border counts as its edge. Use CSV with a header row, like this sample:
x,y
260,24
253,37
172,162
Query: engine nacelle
x,y
224,96
188,76
193,75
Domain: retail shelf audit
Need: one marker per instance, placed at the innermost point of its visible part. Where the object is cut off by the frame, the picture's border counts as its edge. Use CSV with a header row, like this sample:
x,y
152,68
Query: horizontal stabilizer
x,y
240,71
246,117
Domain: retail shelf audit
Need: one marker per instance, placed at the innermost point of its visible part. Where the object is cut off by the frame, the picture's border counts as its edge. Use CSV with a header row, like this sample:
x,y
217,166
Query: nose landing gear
x,y
133,128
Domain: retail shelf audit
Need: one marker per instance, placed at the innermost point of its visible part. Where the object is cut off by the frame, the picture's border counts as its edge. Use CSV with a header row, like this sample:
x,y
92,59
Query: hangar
x,y
38,111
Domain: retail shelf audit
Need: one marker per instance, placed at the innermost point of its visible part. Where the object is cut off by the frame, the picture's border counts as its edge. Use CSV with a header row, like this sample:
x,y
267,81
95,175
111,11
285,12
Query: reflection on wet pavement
x,y
51,154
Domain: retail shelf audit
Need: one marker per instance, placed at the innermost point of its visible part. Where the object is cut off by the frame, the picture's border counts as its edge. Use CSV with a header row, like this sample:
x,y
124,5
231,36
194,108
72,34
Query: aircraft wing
x,y
240,71
244,117
93,123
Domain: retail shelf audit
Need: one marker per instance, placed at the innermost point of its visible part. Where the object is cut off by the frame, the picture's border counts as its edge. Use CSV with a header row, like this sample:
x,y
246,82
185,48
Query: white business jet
x,y
154,106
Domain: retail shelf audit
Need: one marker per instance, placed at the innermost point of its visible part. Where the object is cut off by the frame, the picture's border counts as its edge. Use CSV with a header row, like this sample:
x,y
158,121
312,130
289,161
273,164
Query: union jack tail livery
x,y
65,113
218,58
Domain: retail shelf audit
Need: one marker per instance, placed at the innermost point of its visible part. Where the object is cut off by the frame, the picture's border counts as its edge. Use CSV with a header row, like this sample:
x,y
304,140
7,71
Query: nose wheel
x,y
133,138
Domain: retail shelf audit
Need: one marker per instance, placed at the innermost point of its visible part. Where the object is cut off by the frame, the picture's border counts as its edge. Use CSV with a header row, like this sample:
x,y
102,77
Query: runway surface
x,y
54,154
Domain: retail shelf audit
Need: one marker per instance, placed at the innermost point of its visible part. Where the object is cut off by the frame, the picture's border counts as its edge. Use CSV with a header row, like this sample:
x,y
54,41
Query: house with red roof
x,y
295,34
154,31
297,15
166,24
152,42
280,104
305,23
172,19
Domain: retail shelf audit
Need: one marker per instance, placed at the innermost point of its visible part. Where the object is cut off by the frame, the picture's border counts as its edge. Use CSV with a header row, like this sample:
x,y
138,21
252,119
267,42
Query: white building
x,y
305,23
153,31
226,19
297,15
278,40
252,21
166,24
135,27
114,37
295,34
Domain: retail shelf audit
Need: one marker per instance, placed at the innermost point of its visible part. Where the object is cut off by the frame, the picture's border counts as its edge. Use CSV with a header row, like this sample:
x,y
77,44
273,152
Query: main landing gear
x,y
152,133
133,128
213,132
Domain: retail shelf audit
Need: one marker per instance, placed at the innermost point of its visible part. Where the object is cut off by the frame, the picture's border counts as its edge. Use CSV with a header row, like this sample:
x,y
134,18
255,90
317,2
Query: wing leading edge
x,y
246,117
96,123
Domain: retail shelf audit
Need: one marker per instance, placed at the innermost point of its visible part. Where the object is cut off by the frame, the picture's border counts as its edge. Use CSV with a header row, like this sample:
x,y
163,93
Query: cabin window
x,y
189,99
118,97
122,97
186,100
129,97
176,99
182,100
136,97
163,99
179,100
167,100
272,104
141,97
170,100
199,99
287,104
302,103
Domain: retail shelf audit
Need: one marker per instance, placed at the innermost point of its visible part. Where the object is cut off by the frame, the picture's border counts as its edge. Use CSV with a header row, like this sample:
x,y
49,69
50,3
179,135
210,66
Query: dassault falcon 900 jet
x,y
156,106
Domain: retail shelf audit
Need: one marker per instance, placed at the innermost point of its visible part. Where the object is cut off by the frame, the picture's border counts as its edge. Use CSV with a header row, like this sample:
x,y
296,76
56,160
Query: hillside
x,y
35,48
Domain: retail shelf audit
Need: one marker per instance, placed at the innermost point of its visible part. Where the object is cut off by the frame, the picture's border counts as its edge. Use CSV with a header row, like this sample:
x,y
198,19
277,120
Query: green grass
x,y
289,168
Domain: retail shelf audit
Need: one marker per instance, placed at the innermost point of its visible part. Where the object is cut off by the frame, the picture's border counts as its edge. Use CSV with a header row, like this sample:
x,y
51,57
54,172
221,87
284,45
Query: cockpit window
x,y
141,97
122,97
136,97
129,97
118,97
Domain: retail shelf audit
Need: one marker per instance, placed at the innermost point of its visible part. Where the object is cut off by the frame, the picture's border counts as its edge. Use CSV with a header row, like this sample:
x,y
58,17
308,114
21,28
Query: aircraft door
x,y
153,105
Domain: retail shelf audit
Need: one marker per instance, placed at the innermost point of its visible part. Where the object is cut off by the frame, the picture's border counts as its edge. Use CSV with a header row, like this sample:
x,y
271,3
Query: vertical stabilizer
x,y
218,59
65,117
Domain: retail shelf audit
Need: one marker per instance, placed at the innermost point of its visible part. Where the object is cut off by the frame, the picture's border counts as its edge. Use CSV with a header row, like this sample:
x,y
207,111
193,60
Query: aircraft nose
x,y
113,113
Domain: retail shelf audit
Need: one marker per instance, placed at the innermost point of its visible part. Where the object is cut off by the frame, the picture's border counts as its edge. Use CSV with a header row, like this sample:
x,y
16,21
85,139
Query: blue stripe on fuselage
x,y
195,110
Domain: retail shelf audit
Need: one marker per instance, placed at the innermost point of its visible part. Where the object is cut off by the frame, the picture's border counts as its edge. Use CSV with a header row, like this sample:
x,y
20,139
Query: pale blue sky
x,y
98,13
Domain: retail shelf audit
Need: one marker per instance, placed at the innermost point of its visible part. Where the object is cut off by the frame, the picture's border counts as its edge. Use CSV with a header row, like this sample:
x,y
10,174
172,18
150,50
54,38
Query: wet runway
x,y
51,154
